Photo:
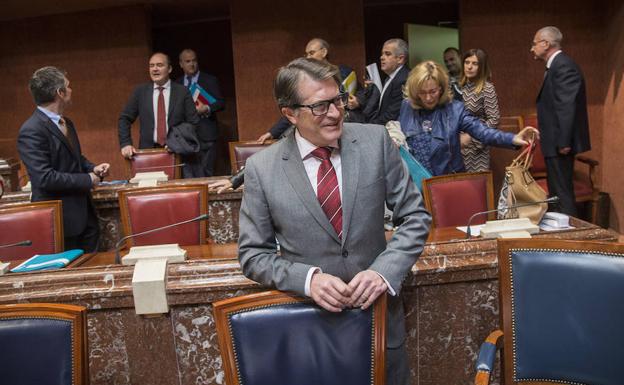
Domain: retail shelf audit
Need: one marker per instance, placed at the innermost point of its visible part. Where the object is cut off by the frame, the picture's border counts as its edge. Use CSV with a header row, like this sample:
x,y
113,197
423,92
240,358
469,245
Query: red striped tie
x,y
327,189
161,123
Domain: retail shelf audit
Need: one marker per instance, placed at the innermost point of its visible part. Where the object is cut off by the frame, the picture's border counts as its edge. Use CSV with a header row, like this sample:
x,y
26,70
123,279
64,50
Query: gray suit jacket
x,y
279,202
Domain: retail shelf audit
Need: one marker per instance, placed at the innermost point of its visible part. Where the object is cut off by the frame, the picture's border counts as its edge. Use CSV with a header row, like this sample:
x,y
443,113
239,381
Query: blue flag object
x,y
200,94
48,261
416,170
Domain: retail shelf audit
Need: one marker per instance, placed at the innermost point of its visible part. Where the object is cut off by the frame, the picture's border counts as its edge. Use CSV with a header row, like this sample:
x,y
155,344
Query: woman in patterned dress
x,y
480,100
432,121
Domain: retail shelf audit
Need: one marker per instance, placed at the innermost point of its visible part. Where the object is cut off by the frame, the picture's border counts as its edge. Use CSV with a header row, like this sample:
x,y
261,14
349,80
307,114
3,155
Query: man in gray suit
x,y
320,192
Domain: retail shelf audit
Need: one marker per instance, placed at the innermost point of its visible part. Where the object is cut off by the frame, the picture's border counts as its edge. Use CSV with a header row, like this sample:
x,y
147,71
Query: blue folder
x,y
48,261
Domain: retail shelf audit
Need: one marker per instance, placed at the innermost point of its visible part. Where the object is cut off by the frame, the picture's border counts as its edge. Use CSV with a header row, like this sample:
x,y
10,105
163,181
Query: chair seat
x,y
582,189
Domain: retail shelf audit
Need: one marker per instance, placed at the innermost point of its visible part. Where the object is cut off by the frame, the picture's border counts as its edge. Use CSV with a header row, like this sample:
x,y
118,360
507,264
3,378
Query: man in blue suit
x,y
208,129
561,115
49,147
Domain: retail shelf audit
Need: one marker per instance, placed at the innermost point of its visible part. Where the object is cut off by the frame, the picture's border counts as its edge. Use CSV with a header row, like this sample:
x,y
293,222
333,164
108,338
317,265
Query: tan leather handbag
x,y
519,187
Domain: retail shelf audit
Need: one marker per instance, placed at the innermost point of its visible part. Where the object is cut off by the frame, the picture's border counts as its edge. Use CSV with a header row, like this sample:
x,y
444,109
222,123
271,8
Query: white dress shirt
x,y
387,83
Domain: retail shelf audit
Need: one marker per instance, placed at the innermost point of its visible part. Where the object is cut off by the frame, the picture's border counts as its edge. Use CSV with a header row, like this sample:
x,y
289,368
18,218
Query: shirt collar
x,y
551,58
193,78
305,146
52,115
165,86
393,74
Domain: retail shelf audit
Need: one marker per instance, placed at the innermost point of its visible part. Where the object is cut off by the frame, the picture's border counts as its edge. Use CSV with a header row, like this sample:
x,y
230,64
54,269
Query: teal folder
x,y
48,261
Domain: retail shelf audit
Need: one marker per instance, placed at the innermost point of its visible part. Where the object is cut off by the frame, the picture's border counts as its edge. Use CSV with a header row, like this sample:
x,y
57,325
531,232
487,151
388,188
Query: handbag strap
x,y
525,159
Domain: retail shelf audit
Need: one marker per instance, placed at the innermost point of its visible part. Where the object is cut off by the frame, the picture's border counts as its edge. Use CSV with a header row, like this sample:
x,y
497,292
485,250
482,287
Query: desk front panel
x,y
451,300
222,211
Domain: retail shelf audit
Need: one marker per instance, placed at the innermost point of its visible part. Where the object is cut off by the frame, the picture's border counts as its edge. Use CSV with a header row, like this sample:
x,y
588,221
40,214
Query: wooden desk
x,y
209,251
450,297
222,211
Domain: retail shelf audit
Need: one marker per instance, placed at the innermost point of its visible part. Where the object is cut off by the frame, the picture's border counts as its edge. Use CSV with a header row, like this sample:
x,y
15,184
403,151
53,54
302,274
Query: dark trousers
x,y
88,239
397,366
201,164
560,171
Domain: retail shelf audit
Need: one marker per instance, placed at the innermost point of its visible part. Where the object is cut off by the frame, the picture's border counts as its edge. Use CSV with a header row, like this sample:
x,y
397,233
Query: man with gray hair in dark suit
x,y
320,192
561,115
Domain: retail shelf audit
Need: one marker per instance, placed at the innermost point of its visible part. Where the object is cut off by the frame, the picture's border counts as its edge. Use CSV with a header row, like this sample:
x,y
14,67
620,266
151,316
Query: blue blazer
x,y
57,169
447,122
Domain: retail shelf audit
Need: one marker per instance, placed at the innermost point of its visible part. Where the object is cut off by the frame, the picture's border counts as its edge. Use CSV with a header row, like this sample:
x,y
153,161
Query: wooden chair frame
x,y
57,206
497,337
222,310
248,143
428,198
77,315
177,173
125,214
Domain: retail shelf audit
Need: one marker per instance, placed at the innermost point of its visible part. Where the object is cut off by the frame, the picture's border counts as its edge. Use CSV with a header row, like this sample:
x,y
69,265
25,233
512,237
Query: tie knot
x,y
160,88
322,153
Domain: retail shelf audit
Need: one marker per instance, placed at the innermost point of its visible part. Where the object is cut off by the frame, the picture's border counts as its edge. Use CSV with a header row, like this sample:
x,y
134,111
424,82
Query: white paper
x,y
373,74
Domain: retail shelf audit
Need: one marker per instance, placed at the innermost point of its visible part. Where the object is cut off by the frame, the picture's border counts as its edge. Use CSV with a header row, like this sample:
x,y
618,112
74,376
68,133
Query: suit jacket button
x,y
345,253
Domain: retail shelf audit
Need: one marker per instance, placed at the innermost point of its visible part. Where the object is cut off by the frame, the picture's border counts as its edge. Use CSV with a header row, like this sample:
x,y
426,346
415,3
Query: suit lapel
x,y
172,96
350,161
55,131
298,179
149,101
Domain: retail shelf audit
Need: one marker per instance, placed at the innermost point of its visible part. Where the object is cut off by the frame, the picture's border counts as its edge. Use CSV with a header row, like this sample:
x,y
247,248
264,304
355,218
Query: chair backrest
x,y
43,343
561,311
274,338
452,199
147,208
154,159
39,222
240,151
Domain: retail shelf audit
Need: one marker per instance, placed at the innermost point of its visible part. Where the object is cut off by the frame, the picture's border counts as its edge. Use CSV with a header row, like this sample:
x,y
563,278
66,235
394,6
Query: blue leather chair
x,y
561,307
273,338
43,344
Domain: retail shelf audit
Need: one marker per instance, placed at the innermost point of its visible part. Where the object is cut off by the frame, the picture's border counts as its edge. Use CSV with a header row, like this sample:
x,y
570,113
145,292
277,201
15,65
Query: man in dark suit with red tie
x,y
207,130
49,147
561,115
160,105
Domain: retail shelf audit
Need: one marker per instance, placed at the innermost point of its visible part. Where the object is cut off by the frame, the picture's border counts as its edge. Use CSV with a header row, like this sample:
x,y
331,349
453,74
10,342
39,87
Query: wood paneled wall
x,y
267,34
592,35
105,55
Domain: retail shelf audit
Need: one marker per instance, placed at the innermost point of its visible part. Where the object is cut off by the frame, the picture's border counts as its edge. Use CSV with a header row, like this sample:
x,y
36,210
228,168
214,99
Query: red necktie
x,y
161,123
327,189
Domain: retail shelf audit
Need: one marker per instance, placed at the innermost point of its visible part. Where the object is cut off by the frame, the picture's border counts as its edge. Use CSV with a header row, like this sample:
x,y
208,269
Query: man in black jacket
x,y
207,129
380,106
160,105
561,115
49,147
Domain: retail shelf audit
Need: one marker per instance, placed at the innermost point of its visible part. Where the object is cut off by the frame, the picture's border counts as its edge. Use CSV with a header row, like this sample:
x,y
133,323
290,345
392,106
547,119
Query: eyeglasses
x,y
534,43
433,92
321,108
